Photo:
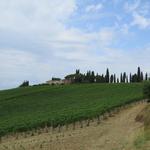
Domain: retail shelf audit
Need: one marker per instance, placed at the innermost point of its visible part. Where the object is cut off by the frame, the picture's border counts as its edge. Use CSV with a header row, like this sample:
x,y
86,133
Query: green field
x,y
23,109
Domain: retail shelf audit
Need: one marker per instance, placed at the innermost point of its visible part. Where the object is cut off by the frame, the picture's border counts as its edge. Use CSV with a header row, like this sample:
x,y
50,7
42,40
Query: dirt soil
x,y
118,132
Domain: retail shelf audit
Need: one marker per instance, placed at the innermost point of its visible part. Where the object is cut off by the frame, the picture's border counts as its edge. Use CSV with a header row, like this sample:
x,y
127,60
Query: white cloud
x,y
35,16
17,66
140,21
132,6
125,29
138,10
36,43
94,8
35,39
107,36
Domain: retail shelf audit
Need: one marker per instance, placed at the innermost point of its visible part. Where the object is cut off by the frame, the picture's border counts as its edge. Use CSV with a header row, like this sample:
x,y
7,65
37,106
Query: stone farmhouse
x,y
59,82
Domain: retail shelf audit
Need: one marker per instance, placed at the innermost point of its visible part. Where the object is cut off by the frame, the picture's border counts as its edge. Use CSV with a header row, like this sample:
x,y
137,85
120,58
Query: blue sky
x,y
41,39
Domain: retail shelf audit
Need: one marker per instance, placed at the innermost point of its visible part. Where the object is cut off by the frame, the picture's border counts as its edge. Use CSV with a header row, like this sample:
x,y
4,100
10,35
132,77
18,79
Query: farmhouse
x,y
57,81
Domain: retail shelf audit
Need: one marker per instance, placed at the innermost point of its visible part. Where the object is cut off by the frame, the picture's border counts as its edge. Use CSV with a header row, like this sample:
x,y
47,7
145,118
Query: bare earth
x,y
116,133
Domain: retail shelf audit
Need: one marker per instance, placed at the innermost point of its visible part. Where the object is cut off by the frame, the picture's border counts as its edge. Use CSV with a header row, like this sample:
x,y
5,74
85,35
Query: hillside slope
x,y
117,133
27,108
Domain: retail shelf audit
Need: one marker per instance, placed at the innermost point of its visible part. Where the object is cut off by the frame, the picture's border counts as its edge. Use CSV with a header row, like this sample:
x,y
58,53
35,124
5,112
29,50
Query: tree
x,y
121,78
117,80
127,80
134,78
88,76
103,79
124,77
111,79
55,79
97,78
77,71
24,84
139,75
107,76
142,78
92,77
78,77
130,78
114,78
146,76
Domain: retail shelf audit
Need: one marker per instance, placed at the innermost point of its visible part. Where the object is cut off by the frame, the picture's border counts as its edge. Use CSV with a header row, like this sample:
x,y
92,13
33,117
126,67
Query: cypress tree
x,y
92,77
130,78
111,79
146,76
121,78
107,76
77,71
114,78
142,78
117,80
124,77
139,75
127,79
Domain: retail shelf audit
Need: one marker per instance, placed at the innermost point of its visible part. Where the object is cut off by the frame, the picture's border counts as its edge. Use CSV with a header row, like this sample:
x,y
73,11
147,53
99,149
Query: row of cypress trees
x,y
91,77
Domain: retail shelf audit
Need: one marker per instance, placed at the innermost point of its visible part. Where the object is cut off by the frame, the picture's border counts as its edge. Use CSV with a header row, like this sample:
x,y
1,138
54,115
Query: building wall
x,y
58,82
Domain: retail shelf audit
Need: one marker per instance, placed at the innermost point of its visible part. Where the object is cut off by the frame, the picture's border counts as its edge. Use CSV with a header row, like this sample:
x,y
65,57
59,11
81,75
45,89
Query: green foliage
x,y
26,108
139,75
56,79
24,84
124,77
111,79
107,76
146,90
140,142
91,77
143,139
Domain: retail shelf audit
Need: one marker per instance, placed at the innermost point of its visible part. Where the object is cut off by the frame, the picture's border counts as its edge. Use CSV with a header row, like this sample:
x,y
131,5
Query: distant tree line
x,y
91,77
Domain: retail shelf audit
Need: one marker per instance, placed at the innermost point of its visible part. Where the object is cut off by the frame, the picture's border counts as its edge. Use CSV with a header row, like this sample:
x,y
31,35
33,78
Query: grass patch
x,y
140,141
143,140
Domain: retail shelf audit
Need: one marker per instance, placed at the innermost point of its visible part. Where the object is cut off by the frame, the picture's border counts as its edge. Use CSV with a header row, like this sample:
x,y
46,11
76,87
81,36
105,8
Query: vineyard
x,y
23,109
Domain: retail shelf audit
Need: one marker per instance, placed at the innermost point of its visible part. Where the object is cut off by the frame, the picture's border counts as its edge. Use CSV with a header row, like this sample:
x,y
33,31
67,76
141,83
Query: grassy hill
x,y
23,109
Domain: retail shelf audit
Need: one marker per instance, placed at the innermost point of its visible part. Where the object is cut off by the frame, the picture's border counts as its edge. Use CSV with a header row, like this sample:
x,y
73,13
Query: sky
x,y
40,39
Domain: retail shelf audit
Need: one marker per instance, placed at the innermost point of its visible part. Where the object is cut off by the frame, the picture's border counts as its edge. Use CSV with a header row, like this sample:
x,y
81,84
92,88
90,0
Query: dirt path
x,y
115,133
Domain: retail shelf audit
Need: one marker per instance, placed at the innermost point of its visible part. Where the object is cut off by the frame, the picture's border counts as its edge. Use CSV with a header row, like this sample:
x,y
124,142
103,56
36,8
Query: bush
x,y
146,90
